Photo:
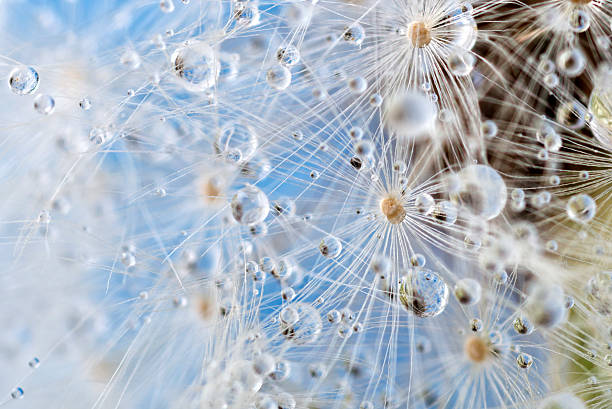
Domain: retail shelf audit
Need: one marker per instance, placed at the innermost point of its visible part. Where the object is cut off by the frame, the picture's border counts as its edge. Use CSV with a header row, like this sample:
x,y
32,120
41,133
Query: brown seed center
x,y
581,2
476,349
419,34
393,210
207,307
211,190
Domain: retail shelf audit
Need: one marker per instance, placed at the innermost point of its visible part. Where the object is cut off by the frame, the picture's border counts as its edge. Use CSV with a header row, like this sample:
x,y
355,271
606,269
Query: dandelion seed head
x,y
419,34
477,349
393,209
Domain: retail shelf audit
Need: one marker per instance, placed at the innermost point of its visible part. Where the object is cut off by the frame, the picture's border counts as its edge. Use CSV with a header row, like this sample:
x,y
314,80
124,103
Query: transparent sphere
x,y
571,114
250,205
17,393
264,364
411,114
330,247
356,133
380,264
424,203
524,360
197,66
167,6
23,80
304,325
580,21
468,291
236,138
284,206
424,293
481,191
522,325
334,316
130,59
289,316
376,100
571,62
545,305
562,400
245,15
354,34
85,104
98,135
552,141
488,129
461,63
581,208
281,371
461,29
365,147
279,77
256,167
44,104
357,85
445,213
288,56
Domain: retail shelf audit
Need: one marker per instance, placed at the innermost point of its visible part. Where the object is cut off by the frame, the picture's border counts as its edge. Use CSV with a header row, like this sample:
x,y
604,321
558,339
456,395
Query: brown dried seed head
x,y
210,190
476,349
393,210
419,34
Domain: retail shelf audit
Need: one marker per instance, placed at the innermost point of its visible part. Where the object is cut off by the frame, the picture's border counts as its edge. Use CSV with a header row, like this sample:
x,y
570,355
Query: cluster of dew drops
x,y
476,189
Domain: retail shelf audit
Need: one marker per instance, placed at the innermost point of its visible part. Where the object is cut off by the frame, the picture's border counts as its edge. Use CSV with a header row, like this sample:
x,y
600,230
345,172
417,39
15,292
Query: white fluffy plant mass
x,y
306,204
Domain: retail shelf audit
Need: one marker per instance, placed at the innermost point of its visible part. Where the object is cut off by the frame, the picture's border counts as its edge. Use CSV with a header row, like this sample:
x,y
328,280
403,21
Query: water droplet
x,y
130,59
412,114
581,208
571,62
85,104
23,80
17,393
330,247
288,56
580,20
167,6
468,291
354,34
524,360
238,139
522,325
196,65
481,191
34,363
461,63
250,205
44,104
423,292
279,77
300,323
